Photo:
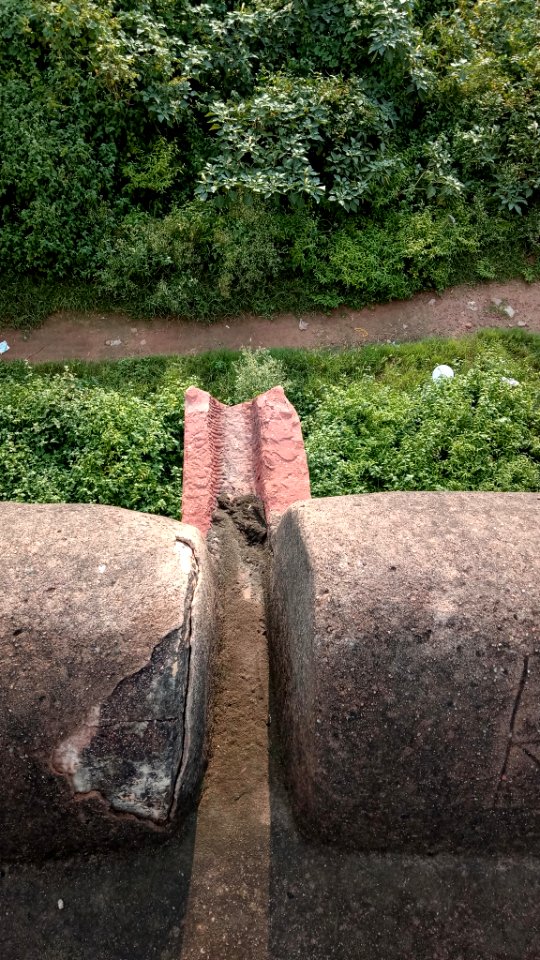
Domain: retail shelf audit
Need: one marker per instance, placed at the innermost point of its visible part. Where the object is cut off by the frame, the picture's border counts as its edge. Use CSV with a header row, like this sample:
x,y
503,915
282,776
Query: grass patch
x,y
26,302
112,432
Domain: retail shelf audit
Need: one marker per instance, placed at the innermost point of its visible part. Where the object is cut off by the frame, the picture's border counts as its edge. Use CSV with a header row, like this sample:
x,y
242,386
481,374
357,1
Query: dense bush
x,y
63,440
372,420
199,158
475,432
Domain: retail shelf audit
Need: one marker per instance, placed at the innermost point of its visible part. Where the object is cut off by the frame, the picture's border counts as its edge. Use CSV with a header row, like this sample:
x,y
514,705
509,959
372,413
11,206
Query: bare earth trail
x,y
458,311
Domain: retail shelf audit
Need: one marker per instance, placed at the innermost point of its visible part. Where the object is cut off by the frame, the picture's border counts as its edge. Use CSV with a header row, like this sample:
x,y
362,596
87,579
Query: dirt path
x,y
460,310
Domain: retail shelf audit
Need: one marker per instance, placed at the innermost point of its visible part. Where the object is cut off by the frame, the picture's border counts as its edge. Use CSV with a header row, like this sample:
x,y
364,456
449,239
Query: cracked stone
x,y
108,685
406,722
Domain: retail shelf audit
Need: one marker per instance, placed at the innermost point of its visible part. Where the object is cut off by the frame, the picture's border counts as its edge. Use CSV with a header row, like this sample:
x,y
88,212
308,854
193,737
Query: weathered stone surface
x,y
405,641
253,448
282,470
106,629
203,442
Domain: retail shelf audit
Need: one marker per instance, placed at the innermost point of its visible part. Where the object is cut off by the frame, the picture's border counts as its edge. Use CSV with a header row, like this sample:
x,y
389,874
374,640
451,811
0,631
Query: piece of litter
x,y
361,330
442,372
102,567
60,904
509,311
472,305
4,346
510,381
432,302
227,327
303,325
405,325
113,343
522,323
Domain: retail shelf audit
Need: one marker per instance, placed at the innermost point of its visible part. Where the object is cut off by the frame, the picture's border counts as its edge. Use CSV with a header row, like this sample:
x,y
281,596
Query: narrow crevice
x,y
531,756
232,843
513,718
247,515
188,620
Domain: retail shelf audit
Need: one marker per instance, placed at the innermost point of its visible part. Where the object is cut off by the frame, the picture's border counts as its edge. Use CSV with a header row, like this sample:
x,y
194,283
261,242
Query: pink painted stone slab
x,y
251,448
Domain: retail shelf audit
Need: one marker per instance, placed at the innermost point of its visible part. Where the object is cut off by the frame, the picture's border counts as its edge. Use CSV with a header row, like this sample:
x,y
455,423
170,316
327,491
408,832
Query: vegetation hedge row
x,y
203,158
373,420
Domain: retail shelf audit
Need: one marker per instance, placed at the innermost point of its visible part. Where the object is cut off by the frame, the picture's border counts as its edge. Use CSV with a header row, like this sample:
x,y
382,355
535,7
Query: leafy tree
x,y
119,117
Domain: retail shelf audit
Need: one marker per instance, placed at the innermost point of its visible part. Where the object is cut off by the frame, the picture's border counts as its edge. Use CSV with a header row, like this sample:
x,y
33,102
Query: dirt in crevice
x,y
499,792
232,842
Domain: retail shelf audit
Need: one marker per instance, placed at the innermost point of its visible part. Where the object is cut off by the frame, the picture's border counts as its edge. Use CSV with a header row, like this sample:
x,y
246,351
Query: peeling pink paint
x,y
252,448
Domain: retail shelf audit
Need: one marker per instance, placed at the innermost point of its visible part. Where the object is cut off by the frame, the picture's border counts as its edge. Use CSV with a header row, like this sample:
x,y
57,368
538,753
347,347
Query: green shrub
x,y
411,251
372,420
474,432
201,260
199,159
255,372
67,441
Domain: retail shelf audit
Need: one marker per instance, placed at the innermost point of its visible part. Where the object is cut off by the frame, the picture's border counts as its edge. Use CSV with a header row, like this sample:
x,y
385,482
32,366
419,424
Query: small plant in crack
x,y
255,372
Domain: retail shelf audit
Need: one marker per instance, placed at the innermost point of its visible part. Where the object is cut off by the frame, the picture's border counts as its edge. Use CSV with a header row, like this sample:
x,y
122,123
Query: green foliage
x,y
200,260
475,432
372,420
410,251
255,372
313,138
64,440
232,155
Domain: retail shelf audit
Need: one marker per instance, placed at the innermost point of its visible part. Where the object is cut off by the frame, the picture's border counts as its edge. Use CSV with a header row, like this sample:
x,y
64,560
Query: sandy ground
x,y
458,311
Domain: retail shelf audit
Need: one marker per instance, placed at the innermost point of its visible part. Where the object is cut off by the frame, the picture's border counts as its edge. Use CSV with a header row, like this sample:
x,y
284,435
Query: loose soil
x,y
458,311
232,840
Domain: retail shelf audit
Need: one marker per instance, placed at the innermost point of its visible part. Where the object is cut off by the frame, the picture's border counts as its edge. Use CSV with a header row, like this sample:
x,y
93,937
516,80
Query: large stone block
x,y
106,631
405,647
